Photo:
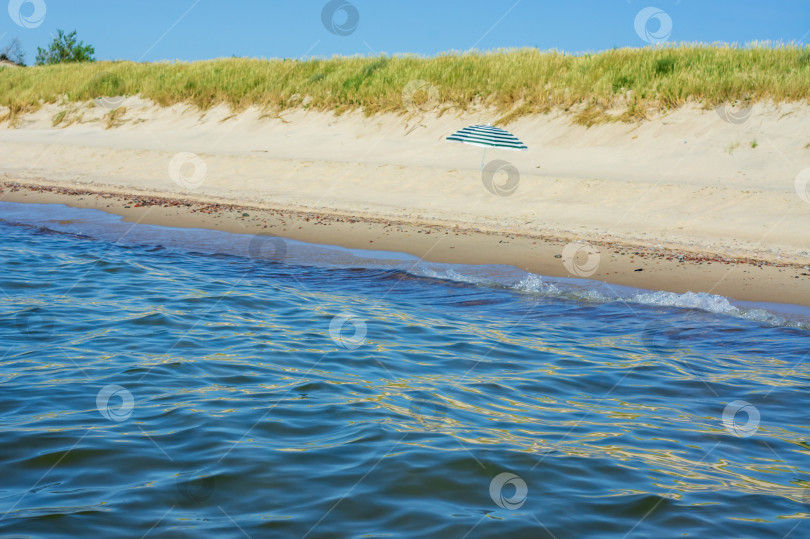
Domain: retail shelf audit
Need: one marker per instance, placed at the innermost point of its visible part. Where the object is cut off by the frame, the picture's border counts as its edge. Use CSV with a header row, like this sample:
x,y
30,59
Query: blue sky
x,y
150,30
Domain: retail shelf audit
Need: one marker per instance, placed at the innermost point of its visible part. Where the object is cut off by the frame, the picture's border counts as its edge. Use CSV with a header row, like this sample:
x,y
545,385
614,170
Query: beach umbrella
x,y
487,136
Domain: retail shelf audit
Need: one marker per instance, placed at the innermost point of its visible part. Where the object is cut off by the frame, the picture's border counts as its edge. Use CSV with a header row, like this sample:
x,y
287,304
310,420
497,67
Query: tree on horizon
x,y
65,48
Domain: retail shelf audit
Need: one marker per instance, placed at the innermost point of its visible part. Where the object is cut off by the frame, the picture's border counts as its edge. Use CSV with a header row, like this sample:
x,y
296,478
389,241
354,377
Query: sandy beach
x,y
685,201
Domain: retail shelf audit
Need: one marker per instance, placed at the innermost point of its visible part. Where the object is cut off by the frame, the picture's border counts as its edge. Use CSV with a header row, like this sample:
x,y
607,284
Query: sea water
x,y
166,382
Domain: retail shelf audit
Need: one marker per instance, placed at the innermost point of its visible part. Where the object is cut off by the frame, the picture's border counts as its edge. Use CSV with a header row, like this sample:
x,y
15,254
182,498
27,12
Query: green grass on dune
x,y
621,84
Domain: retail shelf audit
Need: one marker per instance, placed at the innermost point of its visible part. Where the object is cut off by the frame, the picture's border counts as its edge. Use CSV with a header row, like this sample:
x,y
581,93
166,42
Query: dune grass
x,y
620,84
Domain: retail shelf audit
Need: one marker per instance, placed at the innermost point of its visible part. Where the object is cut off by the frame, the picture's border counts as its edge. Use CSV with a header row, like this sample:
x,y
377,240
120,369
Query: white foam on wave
x,y
598,292
688,300
711,303
534,283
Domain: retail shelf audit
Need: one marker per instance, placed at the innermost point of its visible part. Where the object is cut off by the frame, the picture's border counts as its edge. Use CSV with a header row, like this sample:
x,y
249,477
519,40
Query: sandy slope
x,y
688,180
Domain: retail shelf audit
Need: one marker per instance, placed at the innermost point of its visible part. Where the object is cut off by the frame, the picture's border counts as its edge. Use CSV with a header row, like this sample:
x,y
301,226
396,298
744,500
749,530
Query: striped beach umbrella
x,y
487,136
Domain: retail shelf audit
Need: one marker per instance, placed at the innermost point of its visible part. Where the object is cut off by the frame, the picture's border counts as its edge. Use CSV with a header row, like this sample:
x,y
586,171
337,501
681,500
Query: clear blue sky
x,y
150,30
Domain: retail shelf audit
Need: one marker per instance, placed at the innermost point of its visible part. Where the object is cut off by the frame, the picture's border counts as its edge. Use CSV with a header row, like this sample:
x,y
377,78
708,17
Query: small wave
x,y
534,283
688,300
451,275
598,292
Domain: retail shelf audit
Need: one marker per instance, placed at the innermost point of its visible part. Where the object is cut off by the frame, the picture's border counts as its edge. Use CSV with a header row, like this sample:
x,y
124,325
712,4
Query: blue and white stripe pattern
x,y
488,136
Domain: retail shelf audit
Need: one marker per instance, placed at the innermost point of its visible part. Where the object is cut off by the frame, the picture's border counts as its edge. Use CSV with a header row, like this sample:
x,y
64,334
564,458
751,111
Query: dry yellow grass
x,y
621,84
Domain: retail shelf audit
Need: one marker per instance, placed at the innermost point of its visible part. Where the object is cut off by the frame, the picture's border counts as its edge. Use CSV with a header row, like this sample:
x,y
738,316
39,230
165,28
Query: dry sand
x,y
723,195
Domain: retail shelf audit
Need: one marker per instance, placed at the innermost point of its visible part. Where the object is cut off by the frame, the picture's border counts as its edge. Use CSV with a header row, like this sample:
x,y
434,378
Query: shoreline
x,y
633,264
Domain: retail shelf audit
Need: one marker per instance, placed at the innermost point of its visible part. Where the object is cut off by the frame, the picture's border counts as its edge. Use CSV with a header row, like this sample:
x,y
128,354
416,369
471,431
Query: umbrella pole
x,y
482,158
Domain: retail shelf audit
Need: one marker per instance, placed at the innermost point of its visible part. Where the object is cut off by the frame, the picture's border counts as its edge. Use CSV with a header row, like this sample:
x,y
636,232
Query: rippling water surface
x,y
186,383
